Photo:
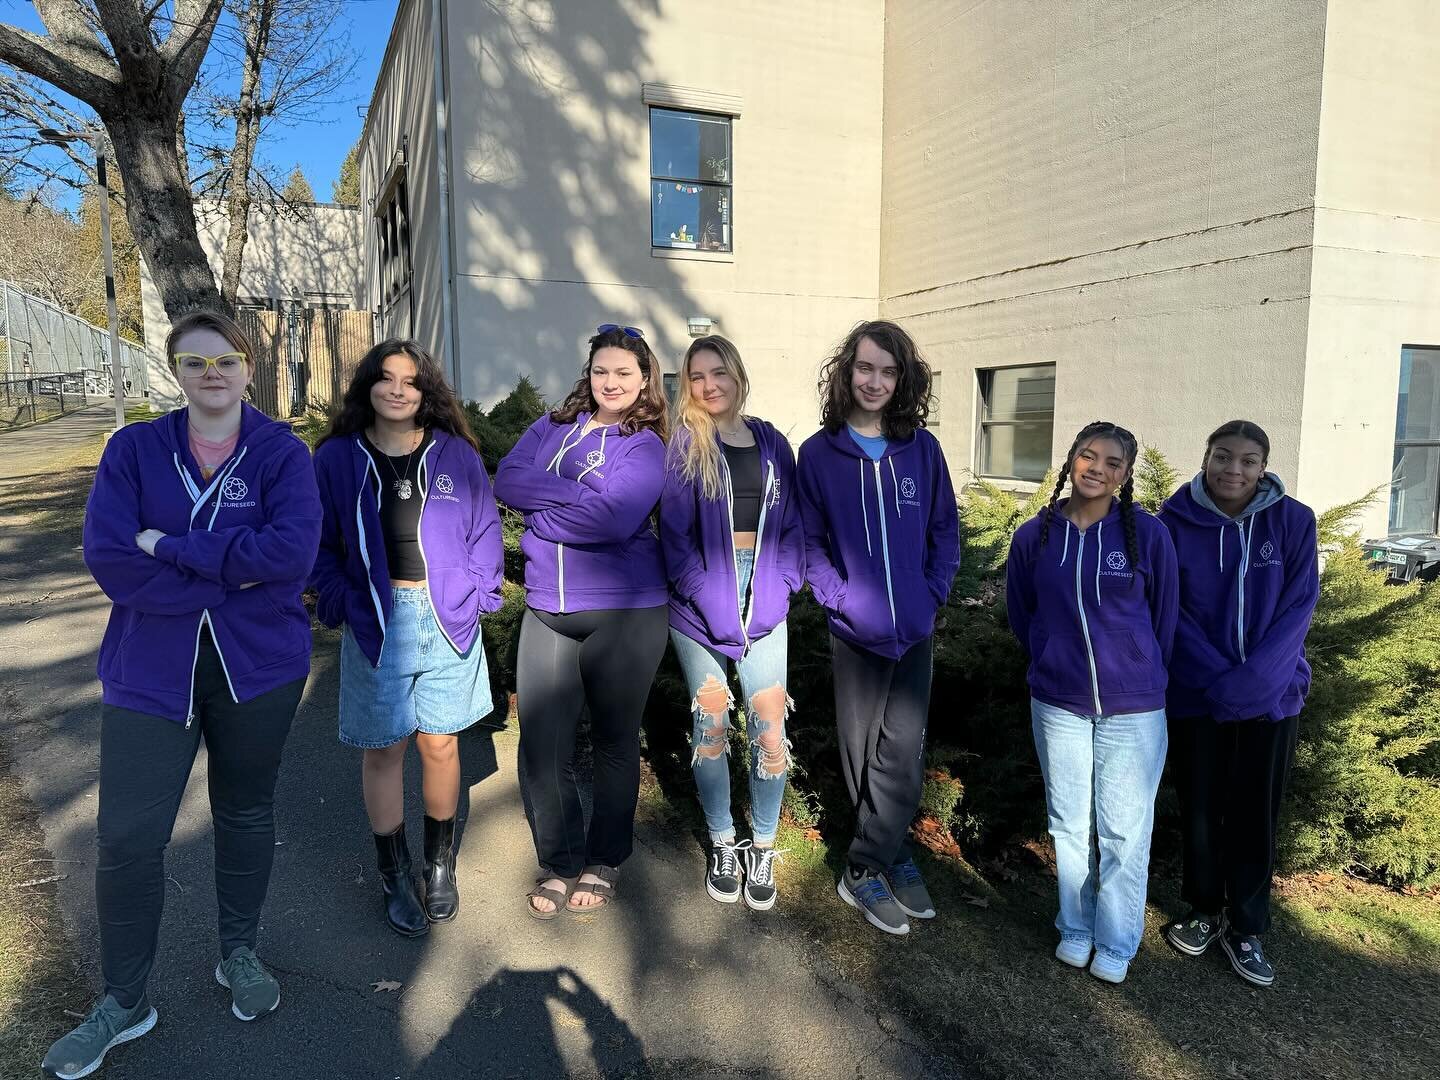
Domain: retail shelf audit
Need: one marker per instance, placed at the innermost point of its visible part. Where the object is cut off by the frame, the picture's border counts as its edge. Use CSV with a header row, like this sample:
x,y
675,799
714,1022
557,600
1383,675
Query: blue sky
x,y
320,145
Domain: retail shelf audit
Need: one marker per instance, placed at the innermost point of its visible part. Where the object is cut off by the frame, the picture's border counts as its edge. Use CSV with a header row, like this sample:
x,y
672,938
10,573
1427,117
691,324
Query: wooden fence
x,y
305,358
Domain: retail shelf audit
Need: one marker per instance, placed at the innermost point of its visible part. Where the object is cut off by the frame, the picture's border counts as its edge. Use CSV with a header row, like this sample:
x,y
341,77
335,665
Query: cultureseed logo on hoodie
x,y
1267,553
908,490
1117,565
775,493
233,492
445,488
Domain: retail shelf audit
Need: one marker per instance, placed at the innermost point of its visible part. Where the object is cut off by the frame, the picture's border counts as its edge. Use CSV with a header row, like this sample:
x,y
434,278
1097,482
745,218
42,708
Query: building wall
x,y
552,186
1123,189
401,121
285,257
1376,279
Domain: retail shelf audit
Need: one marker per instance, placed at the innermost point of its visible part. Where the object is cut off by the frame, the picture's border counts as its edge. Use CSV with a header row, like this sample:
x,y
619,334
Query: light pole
x,y
97,143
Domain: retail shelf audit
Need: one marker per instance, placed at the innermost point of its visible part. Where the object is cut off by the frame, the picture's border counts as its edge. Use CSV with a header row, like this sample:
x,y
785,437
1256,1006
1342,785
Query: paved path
x,y
668,983
27,450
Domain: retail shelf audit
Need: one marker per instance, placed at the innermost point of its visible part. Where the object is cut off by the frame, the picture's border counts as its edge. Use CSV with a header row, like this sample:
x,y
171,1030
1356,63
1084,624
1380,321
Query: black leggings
x,y
145,762
606,661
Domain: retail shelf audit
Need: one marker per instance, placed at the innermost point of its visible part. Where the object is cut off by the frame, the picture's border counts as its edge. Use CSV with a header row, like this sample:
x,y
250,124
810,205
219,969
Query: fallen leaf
x,y
812,835
388,985
977,901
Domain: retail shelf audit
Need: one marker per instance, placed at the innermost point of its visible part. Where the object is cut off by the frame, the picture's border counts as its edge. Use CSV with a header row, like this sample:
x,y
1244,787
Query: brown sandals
x,y
604,889
554,895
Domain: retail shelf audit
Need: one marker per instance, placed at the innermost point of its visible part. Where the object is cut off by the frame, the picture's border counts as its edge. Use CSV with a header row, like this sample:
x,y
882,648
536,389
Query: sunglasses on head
x,y
628,331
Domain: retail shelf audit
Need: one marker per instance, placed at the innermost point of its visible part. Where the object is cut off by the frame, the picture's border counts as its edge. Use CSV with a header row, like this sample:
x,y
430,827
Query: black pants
x,y
881,707
145,762
604,661
1231,779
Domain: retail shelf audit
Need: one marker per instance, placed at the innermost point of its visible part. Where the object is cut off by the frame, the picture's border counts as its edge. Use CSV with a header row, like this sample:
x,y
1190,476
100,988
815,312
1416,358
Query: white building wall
x,y
1376,278
1123,189
552,186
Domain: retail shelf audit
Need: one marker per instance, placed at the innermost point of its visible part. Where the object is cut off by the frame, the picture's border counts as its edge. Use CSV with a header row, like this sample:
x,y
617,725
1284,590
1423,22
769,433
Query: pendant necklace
x,y
402,487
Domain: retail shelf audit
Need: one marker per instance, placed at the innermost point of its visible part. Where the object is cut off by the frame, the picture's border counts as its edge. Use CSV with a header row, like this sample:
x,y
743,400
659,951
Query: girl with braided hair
x,y
1093,595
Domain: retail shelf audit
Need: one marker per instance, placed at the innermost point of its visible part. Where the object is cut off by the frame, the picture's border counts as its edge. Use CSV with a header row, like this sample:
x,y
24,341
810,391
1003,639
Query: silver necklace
x,y
402,487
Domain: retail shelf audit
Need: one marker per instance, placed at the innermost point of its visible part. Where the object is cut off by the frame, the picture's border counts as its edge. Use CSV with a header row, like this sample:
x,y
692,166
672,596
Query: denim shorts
x,y
420,685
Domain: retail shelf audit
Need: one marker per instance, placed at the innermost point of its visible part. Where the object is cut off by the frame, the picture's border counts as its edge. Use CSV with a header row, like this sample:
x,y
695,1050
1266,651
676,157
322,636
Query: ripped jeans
x,y
762,681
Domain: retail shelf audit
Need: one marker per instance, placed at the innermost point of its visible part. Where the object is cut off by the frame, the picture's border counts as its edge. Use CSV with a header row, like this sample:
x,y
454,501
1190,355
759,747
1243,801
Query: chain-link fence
x,y
39,339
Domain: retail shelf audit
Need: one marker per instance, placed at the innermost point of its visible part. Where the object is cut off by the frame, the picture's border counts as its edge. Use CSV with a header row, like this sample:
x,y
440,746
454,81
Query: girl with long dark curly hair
x,y
1092,595
587,478
882,544
410,558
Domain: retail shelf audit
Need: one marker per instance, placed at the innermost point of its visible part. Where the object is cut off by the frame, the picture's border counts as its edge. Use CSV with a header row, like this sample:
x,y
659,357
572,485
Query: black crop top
x,y
400,517
745,485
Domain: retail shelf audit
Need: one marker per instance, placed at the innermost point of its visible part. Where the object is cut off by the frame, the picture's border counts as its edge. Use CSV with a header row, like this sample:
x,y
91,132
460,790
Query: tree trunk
x,y
159,209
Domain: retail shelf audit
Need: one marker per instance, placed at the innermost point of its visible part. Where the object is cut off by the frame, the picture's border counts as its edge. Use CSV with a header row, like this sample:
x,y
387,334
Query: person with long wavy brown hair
x,y
410,558
587,478
882,544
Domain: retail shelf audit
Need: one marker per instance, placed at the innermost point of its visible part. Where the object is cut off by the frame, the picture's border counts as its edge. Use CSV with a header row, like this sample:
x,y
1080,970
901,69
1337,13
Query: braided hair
x,y
1101,429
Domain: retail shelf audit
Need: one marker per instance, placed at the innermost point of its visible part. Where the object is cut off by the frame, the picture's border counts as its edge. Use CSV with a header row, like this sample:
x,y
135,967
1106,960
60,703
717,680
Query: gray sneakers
x,y
253,990
909,890
869,892
83,1050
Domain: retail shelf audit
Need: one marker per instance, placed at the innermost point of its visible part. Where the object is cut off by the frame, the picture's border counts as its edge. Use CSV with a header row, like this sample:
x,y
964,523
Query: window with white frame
x,y
690,185
1017,421
1415,476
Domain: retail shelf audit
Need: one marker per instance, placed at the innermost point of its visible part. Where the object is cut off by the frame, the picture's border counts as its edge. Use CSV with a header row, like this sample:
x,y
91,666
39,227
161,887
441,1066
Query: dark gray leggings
x,y
606,661
145,762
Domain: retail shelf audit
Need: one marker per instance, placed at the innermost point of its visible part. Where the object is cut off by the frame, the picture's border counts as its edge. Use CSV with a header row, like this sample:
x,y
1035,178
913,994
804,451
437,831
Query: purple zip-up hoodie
x,y
1098,629
459,540
882,538
587,499
698,539
1248,587
257,519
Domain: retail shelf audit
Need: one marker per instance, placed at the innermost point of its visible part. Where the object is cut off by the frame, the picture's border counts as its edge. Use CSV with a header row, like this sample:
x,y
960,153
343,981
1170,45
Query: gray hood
x,y
1270,491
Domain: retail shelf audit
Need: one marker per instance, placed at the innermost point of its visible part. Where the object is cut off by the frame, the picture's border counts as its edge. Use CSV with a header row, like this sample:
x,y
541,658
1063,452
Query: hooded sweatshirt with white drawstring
x,y
1248,587
882,538
1098,626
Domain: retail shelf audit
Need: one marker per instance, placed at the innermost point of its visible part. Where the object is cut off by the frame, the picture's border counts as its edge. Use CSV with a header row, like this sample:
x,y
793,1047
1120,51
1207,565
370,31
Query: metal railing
x,y
24,401
39,339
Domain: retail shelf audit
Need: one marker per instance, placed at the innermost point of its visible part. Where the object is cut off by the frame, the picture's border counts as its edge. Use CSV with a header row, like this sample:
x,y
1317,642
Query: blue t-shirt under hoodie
x,y
1098,626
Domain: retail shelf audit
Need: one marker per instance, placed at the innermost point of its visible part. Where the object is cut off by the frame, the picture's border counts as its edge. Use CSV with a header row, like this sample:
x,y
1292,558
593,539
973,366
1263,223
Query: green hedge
x,y
1365,794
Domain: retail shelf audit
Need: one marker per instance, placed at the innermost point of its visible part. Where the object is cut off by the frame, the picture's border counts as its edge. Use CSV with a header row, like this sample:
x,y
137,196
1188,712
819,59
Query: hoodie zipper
x,y
1084,622
884,545
1244,569
420,543
730,515
198,499
744,605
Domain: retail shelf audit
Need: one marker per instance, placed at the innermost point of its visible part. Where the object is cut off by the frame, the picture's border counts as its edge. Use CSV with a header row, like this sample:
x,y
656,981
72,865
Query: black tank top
x,y
400,517
745,485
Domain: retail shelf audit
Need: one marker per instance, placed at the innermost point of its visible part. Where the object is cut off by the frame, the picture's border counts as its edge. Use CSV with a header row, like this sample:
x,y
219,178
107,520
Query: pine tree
x,y
1155,479
346,189
297,189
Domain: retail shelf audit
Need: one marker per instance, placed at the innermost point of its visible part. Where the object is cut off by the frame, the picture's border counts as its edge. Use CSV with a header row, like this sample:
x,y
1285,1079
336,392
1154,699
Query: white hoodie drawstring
x,y
1066,553
1099,558
1222,551
865,510
555,461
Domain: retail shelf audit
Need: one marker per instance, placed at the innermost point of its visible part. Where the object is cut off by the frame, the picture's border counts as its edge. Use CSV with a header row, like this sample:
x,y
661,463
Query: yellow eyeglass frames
x,y
193,364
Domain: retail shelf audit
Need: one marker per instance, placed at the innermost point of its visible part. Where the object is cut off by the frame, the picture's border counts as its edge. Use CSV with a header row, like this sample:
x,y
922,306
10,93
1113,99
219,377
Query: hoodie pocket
x,y
865,609
1061,665
1127,664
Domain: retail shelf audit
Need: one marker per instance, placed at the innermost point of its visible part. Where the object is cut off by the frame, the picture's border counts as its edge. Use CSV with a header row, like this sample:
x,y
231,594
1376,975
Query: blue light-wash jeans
x,y
1101,775
763,667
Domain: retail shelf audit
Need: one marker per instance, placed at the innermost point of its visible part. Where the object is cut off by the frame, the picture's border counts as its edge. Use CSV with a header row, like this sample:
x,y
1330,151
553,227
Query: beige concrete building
x,y
306,259
1163,212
